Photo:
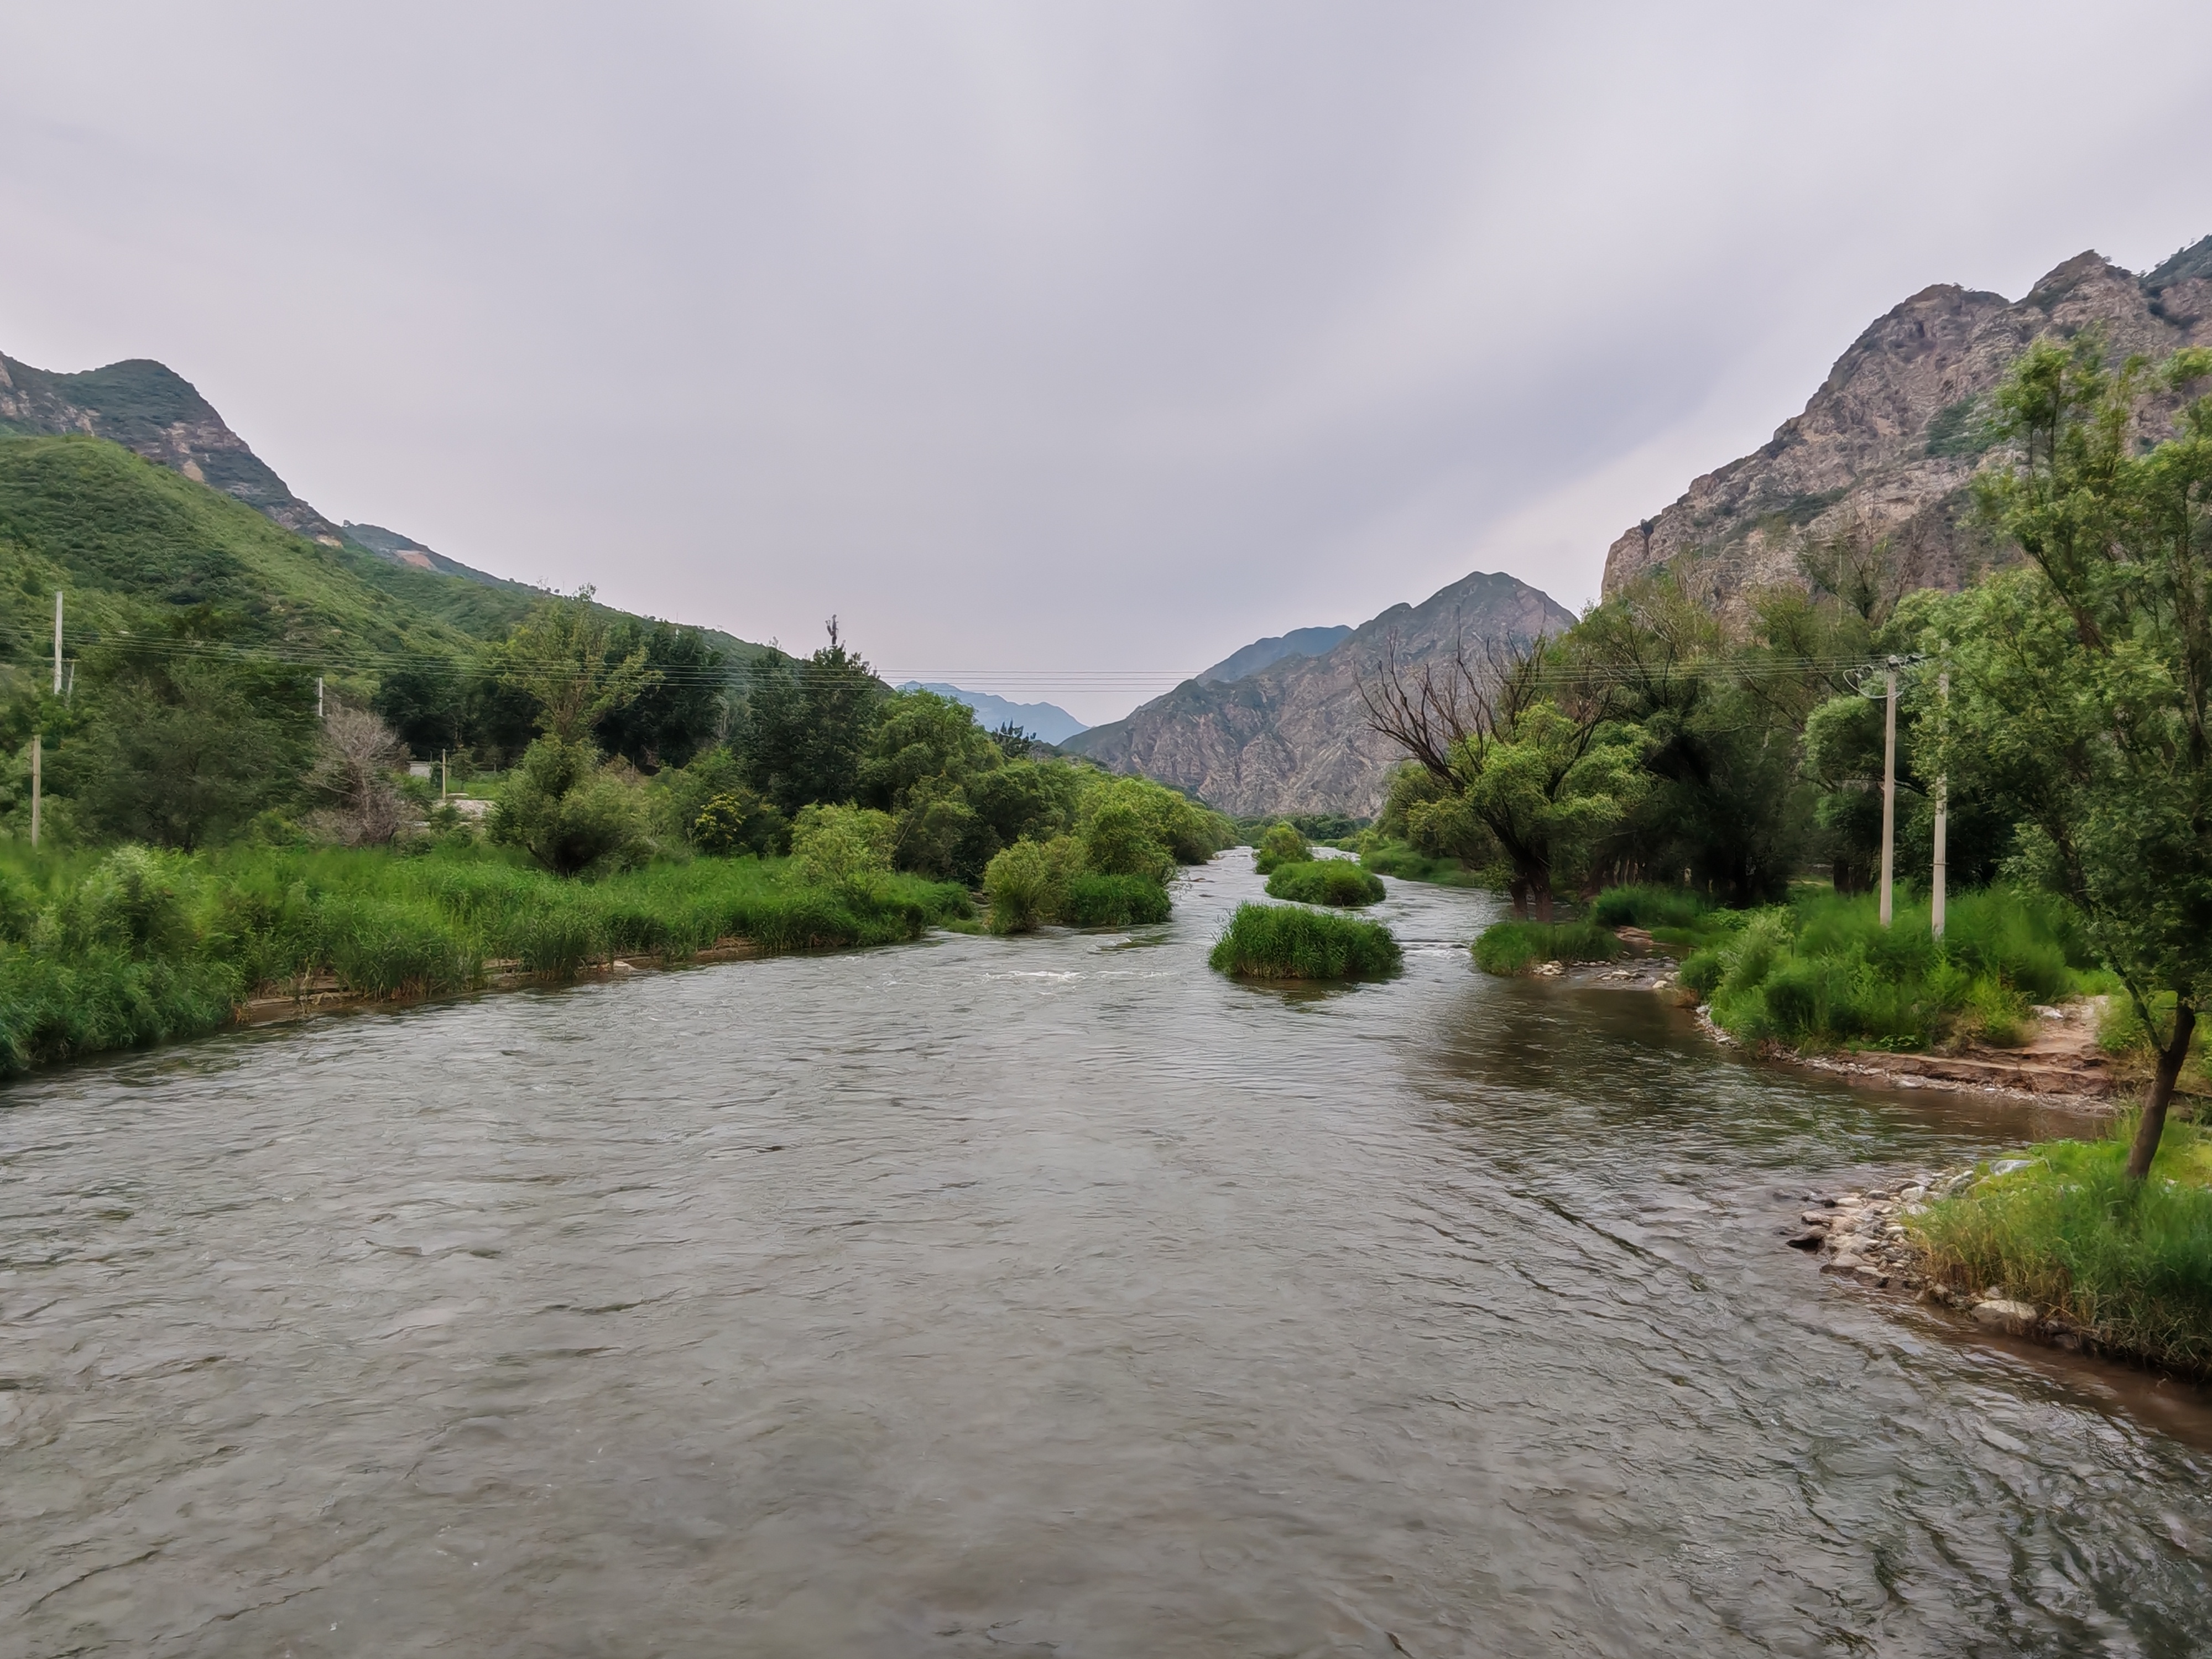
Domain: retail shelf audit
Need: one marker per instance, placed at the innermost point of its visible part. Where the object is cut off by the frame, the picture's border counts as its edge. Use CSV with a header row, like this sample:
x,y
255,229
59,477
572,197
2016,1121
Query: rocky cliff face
x,y
1293,737
1889,442
147,407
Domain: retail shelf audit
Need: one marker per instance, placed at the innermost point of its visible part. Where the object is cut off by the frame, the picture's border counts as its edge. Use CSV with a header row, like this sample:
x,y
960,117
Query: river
x,y
1044,1296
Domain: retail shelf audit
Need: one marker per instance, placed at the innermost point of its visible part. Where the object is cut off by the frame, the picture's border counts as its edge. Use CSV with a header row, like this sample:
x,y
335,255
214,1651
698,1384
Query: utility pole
x,y
1943,812
442,758
1888,787
38,740
318,696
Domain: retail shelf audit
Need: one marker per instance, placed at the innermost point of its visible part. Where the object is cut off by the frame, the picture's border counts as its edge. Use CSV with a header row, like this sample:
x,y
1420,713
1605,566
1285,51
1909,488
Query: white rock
x,y
2005,1166
2005,1314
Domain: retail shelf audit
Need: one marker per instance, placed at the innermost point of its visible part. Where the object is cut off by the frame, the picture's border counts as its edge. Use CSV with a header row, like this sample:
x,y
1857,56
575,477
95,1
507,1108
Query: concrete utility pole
x,y
1888,788
442,756
1942,813
318,696
58,641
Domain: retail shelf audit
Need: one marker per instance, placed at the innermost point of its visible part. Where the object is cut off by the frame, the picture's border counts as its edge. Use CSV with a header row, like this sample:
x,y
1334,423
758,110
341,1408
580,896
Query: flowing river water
x,y
1044,1296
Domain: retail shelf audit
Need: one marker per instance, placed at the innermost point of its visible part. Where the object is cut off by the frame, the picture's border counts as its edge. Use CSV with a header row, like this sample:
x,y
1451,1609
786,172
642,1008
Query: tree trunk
x,y
1518,888
1543,901
2170,1062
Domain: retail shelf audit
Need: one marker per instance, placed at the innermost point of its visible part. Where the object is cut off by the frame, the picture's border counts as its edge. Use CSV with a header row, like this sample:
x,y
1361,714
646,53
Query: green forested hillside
x,y
136,546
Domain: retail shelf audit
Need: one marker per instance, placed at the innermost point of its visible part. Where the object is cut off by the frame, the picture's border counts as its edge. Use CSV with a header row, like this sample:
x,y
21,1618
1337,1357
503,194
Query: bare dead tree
x,y
357,755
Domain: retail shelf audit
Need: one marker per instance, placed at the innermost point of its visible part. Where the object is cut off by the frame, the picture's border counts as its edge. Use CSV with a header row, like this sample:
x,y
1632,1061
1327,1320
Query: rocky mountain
x,y
1293,736
1047,721
149,408
1887,445
1298,643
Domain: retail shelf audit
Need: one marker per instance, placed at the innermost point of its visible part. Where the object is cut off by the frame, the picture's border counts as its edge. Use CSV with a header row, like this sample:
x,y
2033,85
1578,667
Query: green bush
x,y
1824,970
569,813
738,821
1286,941
1282,844
1096,901
1026,885
2131,1263
1337,882
1396,857
835,845
1513,947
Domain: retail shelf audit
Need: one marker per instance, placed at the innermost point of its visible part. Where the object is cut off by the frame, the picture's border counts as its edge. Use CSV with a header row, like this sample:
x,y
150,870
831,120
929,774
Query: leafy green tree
x,y
184,750
808,724
1524,744
2087,675
425,701
1026,799
681,705
563,655
926,751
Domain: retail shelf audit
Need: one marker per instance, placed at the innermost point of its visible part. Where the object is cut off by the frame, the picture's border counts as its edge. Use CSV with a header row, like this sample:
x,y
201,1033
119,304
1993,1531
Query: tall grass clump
x,y
1648,907
1396,857
1514,947
1824,971
137,947
2130,1263
1338,881
1285,941
1034,885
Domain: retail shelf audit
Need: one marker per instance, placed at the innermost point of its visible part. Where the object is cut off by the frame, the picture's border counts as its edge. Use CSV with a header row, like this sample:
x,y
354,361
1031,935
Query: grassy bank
x,y
1396,857
1283,941
1338,881
1514,947
1823,972
98,953
2130,1265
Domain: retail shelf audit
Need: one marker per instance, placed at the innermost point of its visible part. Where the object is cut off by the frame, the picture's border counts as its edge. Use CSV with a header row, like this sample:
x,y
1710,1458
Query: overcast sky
x,y
1048,343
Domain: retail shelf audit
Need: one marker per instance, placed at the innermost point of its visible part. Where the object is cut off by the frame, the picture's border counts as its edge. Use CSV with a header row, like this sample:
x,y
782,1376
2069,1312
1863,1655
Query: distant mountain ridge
x,y
1261,653
1891,439
1293,737
1040,719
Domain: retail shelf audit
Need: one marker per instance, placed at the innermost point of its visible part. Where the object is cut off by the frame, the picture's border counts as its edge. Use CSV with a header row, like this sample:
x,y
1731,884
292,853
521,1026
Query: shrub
x,y
569,813
1281,845
1701,970
1096,901
738,821
838,846
1025,885
1324,881
1512,947
1118,841
1285,941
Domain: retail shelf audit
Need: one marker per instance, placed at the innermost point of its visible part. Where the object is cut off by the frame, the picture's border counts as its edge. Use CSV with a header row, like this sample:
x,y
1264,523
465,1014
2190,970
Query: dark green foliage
x,y
1119,840
738,821
1647,907
1026,799
184,750
1097,901
808,726
1389,858
1286,941
568,813
2129,1261
1337,882
1513,947
680,710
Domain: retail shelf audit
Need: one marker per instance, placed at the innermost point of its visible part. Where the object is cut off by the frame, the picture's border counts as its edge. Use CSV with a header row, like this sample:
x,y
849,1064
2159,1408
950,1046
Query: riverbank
x,y
2049,1244
139,947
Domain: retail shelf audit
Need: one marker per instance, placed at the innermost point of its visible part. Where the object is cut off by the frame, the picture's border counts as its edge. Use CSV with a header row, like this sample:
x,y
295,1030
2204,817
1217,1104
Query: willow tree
x,y
1522,745
2085,677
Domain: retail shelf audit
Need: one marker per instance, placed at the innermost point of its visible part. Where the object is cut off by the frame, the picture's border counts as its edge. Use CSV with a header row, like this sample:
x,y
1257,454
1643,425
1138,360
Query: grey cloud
x,y
1037,339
